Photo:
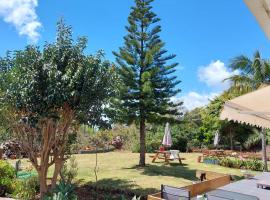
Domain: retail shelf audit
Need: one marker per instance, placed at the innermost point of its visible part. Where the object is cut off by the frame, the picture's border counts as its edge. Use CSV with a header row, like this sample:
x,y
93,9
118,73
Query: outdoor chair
x,y
228,195
174,193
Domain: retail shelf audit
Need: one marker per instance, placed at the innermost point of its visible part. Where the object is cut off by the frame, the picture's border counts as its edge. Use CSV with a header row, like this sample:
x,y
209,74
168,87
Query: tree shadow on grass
x,y
173,170
113,188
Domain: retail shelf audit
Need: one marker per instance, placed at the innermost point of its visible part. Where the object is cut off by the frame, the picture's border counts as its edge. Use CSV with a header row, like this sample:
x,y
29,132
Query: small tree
x,y
52,90
147,82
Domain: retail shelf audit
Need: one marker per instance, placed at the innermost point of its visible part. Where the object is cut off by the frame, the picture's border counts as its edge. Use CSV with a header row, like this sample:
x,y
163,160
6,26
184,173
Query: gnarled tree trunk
x,y
46,144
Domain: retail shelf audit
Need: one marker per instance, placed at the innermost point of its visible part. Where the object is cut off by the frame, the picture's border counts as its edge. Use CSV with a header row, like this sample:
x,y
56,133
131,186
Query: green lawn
x,y
119,170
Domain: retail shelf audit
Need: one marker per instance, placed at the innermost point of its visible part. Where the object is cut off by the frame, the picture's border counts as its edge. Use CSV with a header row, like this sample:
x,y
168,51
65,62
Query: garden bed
x,y
231,162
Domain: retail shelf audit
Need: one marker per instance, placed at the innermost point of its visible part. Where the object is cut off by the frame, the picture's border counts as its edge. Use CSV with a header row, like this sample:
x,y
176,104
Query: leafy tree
x,y
147,84
230,131
252,73
52,90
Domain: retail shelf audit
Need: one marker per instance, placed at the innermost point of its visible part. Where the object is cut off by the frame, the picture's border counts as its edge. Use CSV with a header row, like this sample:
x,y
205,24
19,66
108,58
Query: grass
x,y
120,170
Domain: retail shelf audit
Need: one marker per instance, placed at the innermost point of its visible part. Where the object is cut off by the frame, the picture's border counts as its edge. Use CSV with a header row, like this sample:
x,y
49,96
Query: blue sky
x,y
205,35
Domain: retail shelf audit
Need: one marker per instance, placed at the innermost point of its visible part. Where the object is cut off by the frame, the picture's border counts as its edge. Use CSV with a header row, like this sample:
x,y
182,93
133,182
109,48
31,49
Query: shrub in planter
x,y
237,163
7,174
26,189
226,162
254,164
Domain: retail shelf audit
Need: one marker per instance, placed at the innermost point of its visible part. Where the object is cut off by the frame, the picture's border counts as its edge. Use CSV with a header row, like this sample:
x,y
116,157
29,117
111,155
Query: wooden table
x,y
165,155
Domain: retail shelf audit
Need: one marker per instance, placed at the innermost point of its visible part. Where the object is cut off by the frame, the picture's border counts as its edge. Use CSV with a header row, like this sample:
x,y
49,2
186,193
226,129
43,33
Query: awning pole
x,y
264,153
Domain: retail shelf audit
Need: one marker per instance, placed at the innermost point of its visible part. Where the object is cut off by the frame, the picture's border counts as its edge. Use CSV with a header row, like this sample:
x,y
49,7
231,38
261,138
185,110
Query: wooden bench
x,y
213,181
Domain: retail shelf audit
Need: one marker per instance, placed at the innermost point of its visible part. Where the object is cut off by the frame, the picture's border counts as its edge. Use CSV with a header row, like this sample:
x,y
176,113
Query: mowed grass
x,y
120,170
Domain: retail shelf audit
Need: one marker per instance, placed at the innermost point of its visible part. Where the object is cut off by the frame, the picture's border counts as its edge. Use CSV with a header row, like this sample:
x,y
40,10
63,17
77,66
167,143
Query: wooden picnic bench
x,y
165,155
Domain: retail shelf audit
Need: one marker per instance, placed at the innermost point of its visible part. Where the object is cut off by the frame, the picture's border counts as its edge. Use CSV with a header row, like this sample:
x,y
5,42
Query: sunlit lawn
x,y
119,170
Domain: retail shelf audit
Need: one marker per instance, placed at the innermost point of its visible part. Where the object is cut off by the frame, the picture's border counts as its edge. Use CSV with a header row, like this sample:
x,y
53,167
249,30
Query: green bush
x,y
62,191
254,164
69,173
226,162
180,143
65,189
26,189
7,174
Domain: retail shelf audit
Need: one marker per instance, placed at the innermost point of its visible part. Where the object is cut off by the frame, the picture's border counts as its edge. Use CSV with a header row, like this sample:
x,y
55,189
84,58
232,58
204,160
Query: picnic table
x,y
165,155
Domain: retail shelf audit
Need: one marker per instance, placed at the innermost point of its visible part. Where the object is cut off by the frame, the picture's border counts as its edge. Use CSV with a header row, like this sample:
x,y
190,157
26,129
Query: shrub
x,y
180,143
7,174
68,174
26,189
65,189
254,164
62,191
226,162
193,144
118,142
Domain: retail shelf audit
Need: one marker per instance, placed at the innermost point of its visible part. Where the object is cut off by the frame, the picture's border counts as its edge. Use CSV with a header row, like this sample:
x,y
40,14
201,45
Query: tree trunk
x,y
264,154
142,142
231,139
57,168
42,175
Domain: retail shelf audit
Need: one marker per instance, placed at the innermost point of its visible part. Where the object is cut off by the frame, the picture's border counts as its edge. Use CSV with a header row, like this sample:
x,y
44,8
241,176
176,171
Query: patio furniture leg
x,y
180,161
166,158
155,157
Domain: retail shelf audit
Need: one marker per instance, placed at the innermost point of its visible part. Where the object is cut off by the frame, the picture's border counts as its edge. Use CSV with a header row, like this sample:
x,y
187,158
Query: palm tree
x,y
251,73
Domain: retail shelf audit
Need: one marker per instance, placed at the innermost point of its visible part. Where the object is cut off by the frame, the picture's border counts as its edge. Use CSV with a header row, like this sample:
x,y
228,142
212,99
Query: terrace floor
x,y
249,187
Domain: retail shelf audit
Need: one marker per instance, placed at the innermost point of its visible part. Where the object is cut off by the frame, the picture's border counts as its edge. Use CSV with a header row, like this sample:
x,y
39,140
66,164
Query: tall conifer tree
x,y
147,83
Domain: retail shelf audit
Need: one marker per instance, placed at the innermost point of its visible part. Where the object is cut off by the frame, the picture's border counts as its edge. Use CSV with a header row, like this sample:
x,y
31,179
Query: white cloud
x,y
22,15
194,99
214,74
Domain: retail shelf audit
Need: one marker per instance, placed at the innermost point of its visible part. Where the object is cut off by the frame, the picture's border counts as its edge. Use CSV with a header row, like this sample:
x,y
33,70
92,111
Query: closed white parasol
x,y
167,138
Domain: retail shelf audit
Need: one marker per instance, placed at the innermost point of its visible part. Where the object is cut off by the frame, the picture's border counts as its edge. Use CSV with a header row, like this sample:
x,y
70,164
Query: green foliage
x,y
26,189
146,78
254,140
69,173
252,73
62,191
128,134
250,164
8,175
43,81
65,190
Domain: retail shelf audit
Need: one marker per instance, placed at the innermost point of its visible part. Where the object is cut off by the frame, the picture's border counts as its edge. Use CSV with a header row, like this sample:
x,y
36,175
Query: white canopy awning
x,y
252,108
261,10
